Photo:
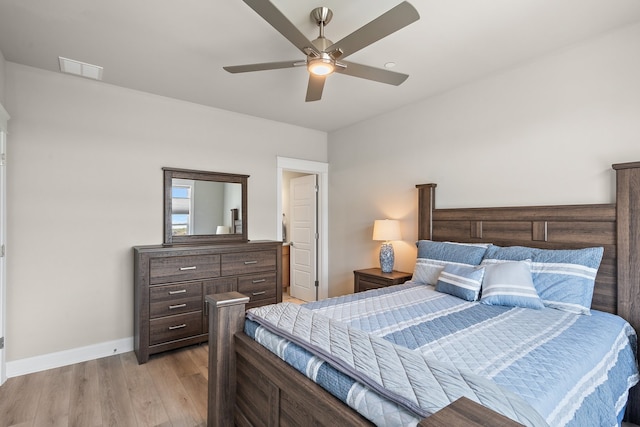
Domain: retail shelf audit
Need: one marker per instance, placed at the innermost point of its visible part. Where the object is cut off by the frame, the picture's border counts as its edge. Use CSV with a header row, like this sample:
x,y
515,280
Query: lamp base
x,y
386,257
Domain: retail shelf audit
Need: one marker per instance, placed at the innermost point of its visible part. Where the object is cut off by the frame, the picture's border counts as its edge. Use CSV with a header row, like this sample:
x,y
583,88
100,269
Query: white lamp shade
x,y
222,229
386,230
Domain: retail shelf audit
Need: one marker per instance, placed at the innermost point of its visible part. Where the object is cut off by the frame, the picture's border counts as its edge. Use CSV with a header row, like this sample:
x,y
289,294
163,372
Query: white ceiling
x,y
177,48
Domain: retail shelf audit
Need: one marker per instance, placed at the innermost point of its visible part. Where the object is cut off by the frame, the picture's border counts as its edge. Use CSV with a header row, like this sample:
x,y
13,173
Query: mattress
x,y
552,367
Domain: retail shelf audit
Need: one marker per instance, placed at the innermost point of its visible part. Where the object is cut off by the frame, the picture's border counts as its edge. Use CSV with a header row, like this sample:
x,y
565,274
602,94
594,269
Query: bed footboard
x,y
248,385
269,389
226,317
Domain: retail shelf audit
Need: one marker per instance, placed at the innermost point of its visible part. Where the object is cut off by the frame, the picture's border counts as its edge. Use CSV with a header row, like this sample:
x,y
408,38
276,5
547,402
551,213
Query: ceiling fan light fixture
x,y
321,66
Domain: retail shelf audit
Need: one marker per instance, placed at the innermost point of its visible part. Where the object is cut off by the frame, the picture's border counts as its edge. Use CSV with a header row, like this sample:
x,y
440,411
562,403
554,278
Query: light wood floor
x,y
169,390
288,298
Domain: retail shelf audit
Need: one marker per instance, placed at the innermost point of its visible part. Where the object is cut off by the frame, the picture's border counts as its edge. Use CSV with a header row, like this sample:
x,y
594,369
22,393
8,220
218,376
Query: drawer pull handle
x,y
250,262
173,307
173,328
193,267
258,280
255,294
181,291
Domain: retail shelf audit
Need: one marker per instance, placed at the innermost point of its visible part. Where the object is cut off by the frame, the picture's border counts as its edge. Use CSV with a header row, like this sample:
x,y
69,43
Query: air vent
x,y
80,68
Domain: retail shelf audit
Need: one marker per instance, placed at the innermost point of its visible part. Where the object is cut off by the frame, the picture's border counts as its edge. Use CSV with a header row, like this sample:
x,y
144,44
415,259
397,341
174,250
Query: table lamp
x,y
222,229
386,230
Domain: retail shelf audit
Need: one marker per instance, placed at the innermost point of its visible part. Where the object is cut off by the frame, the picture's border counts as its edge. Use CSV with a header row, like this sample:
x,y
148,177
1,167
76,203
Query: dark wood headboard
x,y
616,227
548,227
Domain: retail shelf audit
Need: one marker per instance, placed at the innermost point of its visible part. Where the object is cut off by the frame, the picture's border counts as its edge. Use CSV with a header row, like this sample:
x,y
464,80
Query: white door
x,y
3,219
304,237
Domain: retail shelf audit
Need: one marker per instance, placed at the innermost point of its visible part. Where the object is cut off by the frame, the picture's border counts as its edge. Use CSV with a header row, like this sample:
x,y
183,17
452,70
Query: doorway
x,y
4,117
302,225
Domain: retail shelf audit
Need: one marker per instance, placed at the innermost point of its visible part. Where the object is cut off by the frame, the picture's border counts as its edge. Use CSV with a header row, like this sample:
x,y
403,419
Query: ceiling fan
x,y
323,57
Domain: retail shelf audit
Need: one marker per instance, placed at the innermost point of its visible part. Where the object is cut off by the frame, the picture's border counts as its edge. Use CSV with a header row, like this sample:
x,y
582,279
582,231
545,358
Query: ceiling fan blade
x,y
372,73
277,20
261,67
315,87
387,23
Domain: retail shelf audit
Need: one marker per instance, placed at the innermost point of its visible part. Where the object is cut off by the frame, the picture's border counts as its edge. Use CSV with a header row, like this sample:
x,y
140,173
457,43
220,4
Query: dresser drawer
x,y
248,262
260,303
258,287
173,328
366,284
168,300
374,282
181,268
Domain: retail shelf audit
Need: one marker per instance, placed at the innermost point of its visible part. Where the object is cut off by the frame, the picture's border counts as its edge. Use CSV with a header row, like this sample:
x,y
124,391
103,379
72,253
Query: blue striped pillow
x,y
564,278
510,283
461,281
434,256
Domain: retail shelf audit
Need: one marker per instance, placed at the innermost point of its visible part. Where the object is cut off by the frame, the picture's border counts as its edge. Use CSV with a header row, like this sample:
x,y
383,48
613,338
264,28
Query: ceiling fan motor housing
x,y
321,43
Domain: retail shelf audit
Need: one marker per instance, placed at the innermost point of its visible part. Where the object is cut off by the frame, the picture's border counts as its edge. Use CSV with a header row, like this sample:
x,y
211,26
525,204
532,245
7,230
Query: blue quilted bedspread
x,y
573,370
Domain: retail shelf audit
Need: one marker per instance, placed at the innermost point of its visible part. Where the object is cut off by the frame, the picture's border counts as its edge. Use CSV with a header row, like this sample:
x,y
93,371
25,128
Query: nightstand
x,y
374,278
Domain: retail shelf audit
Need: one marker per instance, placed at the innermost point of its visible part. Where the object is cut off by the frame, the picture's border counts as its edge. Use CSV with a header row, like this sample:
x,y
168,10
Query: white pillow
x,y
510,284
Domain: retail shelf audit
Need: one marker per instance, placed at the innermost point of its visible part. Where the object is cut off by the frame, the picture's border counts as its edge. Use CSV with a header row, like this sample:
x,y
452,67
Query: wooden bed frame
x,y
248,385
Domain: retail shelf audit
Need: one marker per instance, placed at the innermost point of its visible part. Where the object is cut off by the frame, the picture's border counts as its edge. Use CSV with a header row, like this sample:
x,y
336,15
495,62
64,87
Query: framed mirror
x,y
204,207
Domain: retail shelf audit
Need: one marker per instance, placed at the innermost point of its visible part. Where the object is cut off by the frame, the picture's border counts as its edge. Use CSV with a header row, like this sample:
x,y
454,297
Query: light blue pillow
x,y
434,256
508,253
468,253
509,283
461,281
564,278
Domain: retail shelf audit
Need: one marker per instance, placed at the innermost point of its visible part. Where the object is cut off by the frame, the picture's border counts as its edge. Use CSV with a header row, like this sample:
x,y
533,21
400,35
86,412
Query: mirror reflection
x,y
205,207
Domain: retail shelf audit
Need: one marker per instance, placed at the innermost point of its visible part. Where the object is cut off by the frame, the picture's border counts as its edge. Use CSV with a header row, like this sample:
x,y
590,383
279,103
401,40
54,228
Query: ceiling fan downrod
x,y
321,16
326,62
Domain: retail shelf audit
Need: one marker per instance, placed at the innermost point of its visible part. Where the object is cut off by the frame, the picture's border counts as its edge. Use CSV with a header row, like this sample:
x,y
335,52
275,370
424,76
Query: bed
x,y
249,385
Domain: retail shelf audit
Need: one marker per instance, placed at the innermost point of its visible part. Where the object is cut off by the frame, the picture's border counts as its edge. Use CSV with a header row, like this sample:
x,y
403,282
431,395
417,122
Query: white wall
x,y
546,132
85,185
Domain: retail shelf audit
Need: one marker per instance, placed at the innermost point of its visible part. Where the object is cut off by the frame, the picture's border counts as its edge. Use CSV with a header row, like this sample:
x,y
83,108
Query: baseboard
x,y
68,357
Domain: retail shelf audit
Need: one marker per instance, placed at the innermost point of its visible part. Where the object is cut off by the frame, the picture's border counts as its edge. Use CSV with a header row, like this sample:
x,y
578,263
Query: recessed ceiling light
x,y
78,68
389,65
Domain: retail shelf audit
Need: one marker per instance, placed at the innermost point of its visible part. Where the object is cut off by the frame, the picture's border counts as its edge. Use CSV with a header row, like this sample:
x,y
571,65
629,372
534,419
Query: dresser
x,y
171,282
286,267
